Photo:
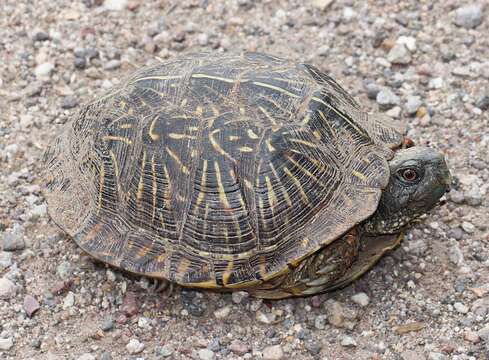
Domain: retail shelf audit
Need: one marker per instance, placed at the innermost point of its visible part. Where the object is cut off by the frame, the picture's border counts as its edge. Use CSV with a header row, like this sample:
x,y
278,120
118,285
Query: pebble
x,y
348,341
399,54
129,304
80,63
239,296
455,233
483,102
64,270
112,64
408,41
115,5
69,300
361,299
455,255
6,344
206,354
223,312
471,336
69,102
41,36
461,308
134,346
12,241
469,16
107,325
322,4
394,113
412,105
193,302
5,260
265,318
86,356
436,83
320,322
238,347
372,90
473,197
31,305
436,356
164,351
313,347
339,315
274,352
7,288
484,333
468,227
387,99
44,70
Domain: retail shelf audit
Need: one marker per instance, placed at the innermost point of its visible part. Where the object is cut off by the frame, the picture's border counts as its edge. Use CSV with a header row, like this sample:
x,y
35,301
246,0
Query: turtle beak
x,y
444,177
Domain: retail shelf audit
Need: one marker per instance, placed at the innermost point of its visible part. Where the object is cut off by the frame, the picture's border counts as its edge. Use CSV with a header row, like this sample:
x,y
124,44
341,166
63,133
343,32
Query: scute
x,y
218,170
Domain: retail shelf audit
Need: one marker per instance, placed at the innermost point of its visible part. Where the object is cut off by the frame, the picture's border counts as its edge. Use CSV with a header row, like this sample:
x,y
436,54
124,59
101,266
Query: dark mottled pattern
x,y
218,170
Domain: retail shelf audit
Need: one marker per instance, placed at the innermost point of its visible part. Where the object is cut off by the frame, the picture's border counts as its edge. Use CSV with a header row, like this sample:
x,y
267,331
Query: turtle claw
x,y
162,286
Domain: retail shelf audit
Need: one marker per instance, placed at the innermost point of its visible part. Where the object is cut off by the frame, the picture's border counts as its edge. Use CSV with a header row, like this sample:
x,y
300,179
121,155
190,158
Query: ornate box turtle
x,y
238,172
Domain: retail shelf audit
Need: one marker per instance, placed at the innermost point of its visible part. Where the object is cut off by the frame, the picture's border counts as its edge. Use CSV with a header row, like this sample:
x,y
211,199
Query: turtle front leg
x,y
162,285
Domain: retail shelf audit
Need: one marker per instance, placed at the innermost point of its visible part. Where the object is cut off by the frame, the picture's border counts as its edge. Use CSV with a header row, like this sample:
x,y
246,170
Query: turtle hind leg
x,y
162,286
316,273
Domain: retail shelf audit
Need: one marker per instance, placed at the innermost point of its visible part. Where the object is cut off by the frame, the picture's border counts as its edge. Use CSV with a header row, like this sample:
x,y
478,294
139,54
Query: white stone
x,y
461,308
6,344
69,301
44,70
206,354
348,341
7,288
399,54
408,41
361,299
115,5
273,352
134,346
223,312
322,4
86,356
436,83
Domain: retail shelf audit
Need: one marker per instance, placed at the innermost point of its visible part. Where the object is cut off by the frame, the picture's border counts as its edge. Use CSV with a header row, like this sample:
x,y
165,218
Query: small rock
x,y
134,346
164,351
408,41
412,105
5,260
115,5
484,334
320,322
461,308
64,270
69,300
455,233
372,90
223,312
107,325
86,356
203,39
239,296
6,344
471,336
469,16
193,302
41,36
348,341
473,197
322,4
394,113
399,54
483,102
238,347
469,228
7,288
206,354
112,64
409,327
31,305
143,322
313,347
273,352
436,83
69,102
44,70
436,356
129,304
387,99
12,241
340,316
455,255
80,63
361,299
265,318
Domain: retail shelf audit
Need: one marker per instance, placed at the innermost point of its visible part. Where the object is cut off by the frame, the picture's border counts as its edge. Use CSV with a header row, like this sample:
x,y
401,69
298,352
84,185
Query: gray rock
x,y
468,227
69,102
456,233
320,322
436,356
5,260
274,352
112,64
239,347
436,83
483,102
31,305
6,344
86,356
484,334
107,325
361,299
44,70
387,99
313,347
473,197
461,308
64,270
348,341
106,356
322,4
206,354
372,90
134,346
239,296
7,288
457,196
80,63
469,16
222,313
164,351
455,254
399,54
69,300
412,105
12,241
41,36
339,315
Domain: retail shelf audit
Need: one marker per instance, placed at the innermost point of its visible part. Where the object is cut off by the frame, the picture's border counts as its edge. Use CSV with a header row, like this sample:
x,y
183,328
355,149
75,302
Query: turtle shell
x,y
217,171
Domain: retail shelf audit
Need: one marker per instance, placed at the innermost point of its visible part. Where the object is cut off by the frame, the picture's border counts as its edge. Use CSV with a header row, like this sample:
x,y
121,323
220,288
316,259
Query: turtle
x,y
238,171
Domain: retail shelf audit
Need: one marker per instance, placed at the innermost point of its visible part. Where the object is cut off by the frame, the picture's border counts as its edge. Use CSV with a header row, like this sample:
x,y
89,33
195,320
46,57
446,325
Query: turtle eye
x,y
409,175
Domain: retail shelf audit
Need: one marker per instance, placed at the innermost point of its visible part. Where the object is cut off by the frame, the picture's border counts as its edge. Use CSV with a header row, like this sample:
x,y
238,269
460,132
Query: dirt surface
x,y
421,63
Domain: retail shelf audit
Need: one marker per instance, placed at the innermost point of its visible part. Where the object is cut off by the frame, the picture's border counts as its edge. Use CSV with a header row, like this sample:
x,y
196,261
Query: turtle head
x,y
419,177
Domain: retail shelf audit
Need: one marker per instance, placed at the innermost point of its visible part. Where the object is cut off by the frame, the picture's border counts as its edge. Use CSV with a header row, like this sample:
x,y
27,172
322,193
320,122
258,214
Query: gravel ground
x,y
422,63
